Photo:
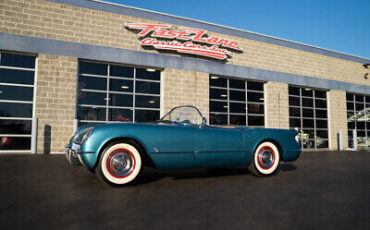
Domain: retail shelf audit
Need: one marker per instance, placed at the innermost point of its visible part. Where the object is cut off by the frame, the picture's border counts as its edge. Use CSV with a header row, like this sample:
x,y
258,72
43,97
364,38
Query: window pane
x,y
367,99
91,98
147,101
320,103
359,98
321,113
360,125
236,84
295,123
218,81
237,107
256,121
15,127
147,87
93,68
220,94
91,113
15,110
145,74
293,91
307,92
123,100
349,97
351,125
294,112
216,106
255,109
307,102
322,133
321,123
320,94
237,120
16,76
120,115
255,97
294,101
15,143
146,115
217,119
17,60
16,93
359,107
251,85
307,112
92,83
121,85
308,123
121,71
350,106
237,95
322,143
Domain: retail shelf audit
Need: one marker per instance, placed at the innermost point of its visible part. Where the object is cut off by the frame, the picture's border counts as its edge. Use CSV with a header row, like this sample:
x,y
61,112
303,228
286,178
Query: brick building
x,y
71,62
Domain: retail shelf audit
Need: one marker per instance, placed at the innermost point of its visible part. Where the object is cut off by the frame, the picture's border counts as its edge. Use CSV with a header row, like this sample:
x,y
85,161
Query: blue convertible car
x,y
180,140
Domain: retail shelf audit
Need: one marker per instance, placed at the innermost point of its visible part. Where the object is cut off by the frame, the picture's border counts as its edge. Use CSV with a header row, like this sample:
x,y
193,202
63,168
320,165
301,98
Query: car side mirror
x,y
204,121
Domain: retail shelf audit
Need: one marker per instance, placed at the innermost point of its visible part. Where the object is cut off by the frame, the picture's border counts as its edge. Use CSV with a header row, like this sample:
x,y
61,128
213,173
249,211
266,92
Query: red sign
x,y
184,40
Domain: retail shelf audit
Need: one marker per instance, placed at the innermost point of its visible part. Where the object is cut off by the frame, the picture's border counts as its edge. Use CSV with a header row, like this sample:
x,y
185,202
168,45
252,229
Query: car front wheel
x,y
265,159
120,163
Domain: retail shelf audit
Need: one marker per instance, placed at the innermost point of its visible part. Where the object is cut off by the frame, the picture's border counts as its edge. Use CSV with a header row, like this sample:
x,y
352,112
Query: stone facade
x,y
55,104
180,87
276,105
337,118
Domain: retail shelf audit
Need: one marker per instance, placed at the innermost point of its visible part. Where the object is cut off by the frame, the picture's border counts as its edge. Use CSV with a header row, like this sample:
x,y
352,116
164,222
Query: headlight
x,y
82,137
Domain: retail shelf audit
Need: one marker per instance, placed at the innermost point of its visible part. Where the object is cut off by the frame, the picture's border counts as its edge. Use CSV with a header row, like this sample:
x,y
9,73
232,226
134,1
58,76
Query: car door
x,y
219,147
173,146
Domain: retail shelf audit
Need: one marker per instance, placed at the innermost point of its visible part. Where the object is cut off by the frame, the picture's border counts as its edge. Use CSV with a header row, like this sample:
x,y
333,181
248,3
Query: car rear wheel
x,y
265,159
120,163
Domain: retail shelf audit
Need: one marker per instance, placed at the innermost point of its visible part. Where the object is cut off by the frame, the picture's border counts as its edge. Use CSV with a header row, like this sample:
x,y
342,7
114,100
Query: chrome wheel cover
x,y
266,157
121,163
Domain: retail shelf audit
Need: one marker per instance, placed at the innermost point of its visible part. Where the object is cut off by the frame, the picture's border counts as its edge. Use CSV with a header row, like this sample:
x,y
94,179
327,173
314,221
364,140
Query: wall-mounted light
x,y
150,70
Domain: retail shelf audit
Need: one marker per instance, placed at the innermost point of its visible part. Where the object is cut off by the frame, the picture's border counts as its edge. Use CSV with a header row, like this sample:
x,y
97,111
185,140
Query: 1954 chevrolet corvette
x,y
182,139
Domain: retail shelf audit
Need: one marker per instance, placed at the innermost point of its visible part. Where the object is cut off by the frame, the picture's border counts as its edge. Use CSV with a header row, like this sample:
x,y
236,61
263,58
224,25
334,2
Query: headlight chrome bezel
x,y
83,136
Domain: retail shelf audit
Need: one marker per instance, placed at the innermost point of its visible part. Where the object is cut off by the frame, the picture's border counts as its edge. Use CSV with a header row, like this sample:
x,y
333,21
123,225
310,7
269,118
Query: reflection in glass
x,y
15,143
146,115
147,87
93,68
237,107
91,113
256,121
147,101
15,126
218,119
97,83
121,71
17,76
15,110
237,120
91,98
124,100
17,60
16,93
124,115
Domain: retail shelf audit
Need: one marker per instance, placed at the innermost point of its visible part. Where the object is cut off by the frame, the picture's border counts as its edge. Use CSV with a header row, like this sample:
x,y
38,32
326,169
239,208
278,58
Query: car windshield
x,y
183,114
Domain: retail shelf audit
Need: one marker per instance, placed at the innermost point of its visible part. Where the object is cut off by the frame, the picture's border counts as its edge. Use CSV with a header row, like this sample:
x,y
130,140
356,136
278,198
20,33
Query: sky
x,y
342,26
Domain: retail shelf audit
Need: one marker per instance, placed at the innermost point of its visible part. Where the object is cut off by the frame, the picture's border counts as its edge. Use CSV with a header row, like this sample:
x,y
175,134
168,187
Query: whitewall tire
x,y
120,163
265,159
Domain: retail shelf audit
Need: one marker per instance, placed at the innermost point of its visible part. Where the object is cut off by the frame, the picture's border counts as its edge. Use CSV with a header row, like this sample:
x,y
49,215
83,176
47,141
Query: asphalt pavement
x,y
321,190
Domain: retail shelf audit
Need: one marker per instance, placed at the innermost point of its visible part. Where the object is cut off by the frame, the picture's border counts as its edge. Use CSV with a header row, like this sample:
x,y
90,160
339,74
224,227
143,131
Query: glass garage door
x,y
117,93
16,101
